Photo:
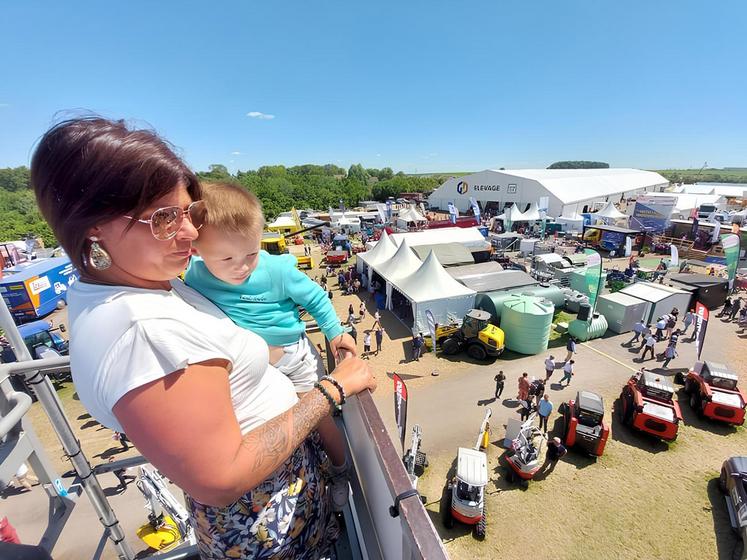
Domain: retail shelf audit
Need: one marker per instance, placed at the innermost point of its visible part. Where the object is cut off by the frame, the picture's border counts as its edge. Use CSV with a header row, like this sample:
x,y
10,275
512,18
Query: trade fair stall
x,y
382,251
402,264
609,215
410,219
622,311
572,222
661,299
430,288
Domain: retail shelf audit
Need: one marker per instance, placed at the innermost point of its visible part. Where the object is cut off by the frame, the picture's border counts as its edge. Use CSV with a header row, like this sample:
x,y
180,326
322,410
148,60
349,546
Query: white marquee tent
x,y
608,214
469,237
532,214
380,253
410,217
402,264
432,288
513,214
571,222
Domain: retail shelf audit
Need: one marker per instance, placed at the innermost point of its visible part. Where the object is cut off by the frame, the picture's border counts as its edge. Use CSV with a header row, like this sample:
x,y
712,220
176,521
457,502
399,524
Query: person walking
x,y
24,478
417,346
379,339
567,372
500,381
687,320
639,328
361,312
650,345
539,389
661,325
367,343
377,319
122,439
671,322
122,476
571,347
726,308
525,409
669,354
735,308
544,409
523,387
555,451
549,366
354,333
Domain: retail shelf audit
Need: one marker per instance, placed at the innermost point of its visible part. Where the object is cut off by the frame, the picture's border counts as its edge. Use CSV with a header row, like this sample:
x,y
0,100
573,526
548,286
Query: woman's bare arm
x,y
185,425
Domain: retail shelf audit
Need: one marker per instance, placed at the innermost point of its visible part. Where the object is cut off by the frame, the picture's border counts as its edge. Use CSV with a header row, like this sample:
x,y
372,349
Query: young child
x,y
262,293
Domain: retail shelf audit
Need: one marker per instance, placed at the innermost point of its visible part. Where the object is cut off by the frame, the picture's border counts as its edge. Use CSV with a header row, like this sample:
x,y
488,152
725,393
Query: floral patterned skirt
x,y
288,516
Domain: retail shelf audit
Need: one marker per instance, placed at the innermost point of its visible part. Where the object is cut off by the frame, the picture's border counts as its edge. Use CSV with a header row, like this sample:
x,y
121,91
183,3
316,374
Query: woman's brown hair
x,y
88,171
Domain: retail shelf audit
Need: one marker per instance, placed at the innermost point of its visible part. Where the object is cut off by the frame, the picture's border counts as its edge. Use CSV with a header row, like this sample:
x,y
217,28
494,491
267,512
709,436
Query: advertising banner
x,y
730,243
389,210
400,407
701,324
675,258
431,327
651,213
593,275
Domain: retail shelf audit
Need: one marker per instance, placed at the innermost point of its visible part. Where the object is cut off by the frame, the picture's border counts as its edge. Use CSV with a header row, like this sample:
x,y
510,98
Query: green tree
x,y
579,165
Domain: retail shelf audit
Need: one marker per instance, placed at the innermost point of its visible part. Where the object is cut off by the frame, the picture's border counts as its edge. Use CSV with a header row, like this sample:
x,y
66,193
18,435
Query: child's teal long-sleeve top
x,y
267,302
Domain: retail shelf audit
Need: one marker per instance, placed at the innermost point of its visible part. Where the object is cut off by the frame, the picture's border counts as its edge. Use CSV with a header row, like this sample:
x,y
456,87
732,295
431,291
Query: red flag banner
x,y
400,407
701,324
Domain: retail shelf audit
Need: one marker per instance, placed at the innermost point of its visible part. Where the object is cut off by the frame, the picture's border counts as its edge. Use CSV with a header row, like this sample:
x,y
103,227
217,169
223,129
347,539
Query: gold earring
x,y
98,258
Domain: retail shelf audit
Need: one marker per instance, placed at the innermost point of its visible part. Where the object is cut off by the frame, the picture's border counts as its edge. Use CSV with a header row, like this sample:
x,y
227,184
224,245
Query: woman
x,y
155,360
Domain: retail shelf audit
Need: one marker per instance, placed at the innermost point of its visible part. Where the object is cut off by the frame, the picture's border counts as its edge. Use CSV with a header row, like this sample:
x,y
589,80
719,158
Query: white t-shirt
x,y
549,364
122,338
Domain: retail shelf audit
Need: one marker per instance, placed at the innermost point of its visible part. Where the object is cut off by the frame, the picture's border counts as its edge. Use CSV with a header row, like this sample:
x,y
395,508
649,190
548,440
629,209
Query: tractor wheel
x,y
476,351
451,346
695,403
679,378
481,525
722,481
445,508
688,386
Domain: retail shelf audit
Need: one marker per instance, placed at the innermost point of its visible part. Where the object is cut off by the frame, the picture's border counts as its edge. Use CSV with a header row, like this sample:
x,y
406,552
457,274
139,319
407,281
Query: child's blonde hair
x,y
232,208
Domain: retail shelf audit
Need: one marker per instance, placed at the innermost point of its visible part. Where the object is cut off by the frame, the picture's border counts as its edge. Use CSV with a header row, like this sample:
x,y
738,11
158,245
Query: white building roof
x,y
736,190
650,292
469,237
575,185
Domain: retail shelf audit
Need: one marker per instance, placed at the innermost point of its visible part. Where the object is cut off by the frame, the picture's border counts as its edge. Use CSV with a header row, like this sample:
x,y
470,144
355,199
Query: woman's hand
x,y
354,375
343,346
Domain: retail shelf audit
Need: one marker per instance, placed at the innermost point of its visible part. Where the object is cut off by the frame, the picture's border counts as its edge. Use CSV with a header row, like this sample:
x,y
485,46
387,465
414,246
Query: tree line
x,y
278,187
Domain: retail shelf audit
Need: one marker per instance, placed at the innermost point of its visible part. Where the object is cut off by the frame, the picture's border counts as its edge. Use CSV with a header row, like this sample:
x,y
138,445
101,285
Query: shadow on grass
x,y
728,544
630,436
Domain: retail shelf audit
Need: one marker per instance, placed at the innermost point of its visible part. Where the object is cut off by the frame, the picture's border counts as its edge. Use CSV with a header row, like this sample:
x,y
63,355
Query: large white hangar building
x,y
568,190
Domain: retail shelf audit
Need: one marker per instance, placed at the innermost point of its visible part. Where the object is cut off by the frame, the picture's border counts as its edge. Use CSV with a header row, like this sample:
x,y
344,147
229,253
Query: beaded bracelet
x,y
337,385
337,409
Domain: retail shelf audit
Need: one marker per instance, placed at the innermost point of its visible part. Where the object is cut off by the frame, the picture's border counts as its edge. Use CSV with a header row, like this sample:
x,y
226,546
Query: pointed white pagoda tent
x,y
402,264
410,218
609,214
532,214
572,221
430,287
381,252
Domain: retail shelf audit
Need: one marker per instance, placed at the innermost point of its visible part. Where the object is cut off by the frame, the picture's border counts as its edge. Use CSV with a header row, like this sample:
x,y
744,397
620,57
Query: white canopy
x,y
402,264
514,214
574,222
609,211
532,214
283,221
410,214
469,237
381,252
432,288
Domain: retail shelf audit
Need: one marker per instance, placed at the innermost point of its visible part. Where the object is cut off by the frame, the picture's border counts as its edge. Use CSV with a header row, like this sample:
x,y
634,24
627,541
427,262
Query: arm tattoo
x,y
273,442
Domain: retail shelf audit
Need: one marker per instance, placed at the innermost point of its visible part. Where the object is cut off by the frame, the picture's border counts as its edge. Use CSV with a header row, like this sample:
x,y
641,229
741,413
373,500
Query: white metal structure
x,y
572,188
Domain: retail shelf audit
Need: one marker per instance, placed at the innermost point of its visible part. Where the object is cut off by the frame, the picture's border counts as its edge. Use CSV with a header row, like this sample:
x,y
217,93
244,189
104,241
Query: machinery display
x,y
275,244
523,456
464,495
583,423
476,335
647,404
415,460
713,393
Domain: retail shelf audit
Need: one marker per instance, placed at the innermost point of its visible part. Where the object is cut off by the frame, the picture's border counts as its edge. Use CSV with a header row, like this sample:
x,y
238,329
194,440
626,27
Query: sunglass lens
x,y
197,213
165,222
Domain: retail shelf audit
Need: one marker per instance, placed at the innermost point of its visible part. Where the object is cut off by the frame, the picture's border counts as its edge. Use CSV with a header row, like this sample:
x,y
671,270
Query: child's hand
x,y
343,346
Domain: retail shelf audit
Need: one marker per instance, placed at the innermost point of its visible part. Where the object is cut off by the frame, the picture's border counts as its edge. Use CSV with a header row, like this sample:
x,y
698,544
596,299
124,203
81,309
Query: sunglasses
x,y
166,222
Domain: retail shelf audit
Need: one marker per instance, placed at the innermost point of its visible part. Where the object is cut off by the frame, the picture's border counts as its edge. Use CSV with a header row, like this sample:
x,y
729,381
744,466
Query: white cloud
x,y
235,153
260,116
378,155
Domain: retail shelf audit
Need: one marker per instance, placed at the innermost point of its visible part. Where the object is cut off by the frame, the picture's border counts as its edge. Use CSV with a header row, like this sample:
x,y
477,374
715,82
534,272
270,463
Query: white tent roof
x,y
575,185
283,221
686,201
403,263
469,237
572,217
382,251
514,214
532,214
411,215
609,211
431,282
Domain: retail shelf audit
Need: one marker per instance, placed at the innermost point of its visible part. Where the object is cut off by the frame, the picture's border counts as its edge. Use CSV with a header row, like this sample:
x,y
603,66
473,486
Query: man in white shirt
x,y
567,372
549,366
638,329
649,346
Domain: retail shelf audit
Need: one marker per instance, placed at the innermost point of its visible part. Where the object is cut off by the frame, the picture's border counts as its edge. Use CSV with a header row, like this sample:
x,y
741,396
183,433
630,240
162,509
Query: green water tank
x,y
526,321
578,281
586,330
492,302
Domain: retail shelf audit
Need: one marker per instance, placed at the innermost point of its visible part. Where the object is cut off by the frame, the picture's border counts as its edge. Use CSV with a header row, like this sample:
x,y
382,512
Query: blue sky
x,y
419,86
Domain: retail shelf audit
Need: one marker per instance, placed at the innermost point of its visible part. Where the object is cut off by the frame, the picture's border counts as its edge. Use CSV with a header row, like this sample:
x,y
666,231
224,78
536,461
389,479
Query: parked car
x,y
713,392
647,404
583,423
733,483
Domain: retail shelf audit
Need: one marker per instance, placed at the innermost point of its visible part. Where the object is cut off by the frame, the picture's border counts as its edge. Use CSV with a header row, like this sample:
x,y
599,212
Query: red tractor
x,y
583,423
647,404
713,392
336,258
